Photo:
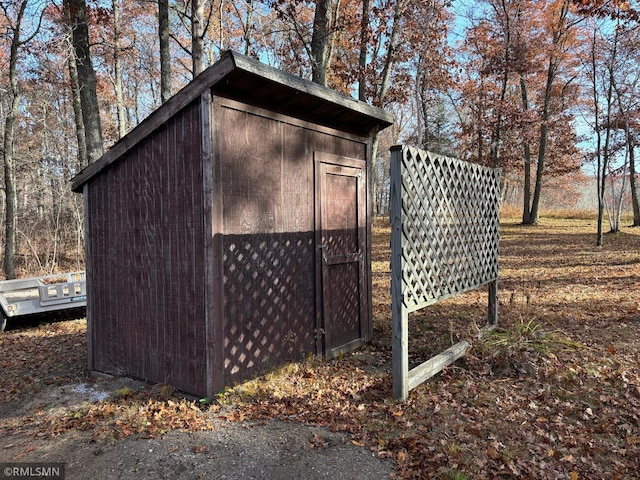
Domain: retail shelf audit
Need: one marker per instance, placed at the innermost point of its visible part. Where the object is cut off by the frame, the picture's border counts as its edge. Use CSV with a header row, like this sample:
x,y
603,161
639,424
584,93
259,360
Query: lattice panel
x,y
269,302
449,225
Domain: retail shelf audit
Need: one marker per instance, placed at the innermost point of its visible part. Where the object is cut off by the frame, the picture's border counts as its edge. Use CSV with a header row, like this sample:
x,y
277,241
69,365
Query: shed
x,y
229,232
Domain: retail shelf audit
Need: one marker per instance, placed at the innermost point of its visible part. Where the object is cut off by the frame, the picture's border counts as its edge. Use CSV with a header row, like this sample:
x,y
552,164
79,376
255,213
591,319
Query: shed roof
x,y
242,78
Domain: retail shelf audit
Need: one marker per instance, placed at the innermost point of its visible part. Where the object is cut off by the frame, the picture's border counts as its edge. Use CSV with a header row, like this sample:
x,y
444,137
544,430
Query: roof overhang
x,y
247,80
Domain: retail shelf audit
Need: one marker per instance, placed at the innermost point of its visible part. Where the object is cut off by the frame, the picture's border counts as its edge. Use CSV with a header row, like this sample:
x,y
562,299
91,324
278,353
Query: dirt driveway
x,y
230,450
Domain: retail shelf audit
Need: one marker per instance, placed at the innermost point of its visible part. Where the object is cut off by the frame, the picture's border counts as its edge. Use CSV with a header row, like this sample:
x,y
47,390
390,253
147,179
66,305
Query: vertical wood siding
x,y
146,231
158,273
269,250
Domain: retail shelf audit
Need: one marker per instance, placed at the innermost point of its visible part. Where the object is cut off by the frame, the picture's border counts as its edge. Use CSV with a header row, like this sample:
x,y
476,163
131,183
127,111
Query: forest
x,y
545,90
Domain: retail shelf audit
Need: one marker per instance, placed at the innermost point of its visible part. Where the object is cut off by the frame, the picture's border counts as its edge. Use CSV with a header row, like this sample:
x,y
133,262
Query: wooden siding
x,y
266,168
205,268
145,234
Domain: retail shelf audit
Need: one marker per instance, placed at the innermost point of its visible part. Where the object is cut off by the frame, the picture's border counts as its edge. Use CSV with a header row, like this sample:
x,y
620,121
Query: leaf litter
x,y
554,392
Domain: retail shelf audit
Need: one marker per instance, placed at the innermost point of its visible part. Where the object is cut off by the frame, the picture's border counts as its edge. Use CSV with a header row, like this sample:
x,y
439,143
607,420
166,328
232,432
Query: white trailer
x,y
37,295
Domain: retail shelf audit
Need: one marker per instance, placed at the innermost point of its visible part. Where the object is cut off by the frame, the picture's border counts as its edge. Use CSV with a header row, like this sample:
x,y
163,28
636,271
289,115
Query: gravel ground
x,y
232,450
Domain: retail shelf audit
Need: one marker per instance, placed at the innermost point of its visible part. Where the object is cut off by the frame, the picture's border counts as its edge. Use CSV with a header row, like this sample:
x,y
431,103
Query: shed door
x,y
341,198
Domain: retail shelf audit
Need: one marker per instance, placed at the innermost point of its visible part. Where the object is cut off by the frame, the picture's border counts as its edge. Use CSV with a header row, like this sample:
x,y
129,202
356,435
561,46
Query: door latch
x,y
323,249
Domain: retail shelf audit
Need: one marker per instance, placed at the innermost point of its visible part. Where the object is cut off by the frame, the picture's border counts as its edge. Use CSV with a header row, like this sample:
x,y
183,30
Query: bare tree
x,y
117,64
77,18
198,31
602,119
626,86
14,13
320,42
560,42
77,112
165,53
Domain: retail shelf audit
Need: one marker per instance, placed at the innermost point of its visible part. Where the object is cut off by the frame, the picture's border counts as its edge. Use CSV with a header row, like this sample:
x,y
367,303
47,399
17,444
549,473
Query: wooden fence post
x,y
492,317
399,317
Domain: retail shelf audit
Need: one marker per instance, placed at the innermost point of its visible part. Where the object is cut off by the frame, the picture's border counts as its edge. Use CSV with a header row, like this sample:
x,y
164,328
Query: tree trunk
x,y
497,132
534,216
247,28
362,60
561,29
77,113
603,154
11,195
165,53
76,10
526,203
122,121
603,166
390,60
320,42
427,138
384,87
197,36
632,182
630,157
617,214
372,173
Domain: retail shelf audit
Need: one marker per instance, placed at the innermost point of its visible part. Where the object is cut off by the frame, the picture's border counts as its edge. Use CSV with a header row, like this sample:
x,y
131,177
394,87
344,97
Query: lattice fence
x,y
444,241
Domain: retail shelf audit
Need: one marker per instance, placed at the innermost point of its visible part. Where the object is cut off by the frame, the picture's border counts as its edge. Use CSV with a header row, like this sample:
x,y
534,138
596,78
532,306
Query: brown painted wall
x,y
145,240
266,168
152,262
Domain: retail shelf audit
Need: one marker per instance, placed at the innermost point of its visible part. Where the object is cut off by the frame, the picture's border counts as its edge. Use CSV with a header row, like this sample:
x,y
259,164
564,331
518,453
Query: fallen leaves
x,y
55,354
51,354
136,415
555,393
